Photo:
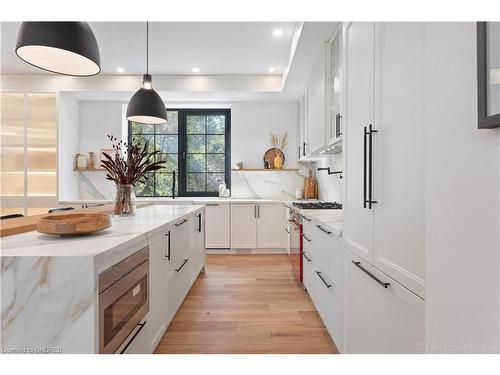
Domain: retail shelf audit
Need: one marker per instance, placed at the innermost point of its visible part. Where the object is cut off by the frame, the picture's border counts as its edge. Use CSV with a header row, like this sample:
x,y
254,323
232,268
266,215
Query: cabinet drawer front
x,y
329,304
380,318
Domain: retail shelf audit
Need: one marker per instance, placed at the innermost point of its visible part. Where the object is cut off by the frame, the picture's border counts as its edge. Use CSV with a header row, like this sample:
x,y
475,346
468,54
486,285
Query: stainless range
x,y
296,221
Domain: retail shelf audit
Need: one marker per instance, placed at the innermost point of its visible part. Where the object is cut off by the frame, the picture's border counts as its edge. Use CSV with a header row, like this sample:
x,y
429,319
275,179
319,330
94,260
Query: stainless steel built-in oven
x,y
123,300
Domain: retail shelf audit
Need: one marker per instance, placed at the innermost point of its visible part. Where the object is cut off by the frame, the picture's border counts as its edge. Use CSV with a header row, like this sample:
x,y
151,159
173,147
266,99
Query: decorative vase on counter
x,y
278,162
124,200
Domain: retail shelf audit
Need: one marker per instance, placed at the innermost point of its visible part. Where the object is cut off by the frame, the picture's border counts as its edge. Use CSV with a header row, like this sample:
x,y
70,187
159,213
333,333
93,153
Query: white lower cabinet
x,y
270,219
323,277
157,322
218,226
177,255
257,226
382,316
244,226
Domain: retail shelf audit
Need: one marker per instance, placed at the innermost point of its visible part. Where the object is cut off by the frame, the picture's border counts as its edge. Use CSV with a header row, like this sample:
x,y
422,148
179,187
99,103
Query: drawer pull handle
x,y
358,264
182,265
168,245
212,204
323,229
322,279
286,230
305,256
305,217
305,237
181,222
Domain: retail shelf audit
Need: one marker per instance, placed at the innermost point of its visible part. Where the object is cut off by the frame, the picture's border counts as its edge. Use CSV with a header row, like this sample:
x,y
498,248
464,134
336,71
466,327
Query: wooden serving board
x,y
71,224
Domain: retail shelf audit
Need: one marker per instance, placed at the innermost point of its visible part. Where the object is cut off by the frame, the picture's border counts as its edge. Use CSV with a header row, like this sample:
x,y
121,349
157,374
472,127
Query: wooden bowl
x,y
72,224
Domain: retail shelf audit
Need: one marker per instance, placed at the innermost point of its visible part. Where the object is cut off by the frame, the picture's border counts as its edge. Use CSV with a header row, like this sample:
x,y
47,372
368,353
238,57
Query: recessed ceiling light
x,y
277,32
120,70
271,70
196,70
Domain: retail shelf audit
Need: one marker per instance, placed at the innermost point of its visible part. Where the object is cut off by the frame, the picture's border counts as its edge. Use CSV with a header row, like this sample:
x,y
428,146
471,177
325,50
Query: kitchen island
x,y
49,284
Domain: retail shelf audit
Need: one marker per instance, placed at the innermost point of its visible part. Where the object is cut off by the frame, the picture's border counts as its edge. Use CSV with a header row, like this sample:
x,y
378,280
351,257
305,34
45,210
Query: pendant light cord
x,y
147,47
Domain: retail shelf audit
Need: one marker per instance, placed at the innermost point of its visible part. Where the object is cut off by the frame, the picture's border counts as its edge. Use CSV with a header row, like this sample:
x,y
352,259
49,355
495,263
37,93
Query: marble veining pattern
x,y
265,185
47,302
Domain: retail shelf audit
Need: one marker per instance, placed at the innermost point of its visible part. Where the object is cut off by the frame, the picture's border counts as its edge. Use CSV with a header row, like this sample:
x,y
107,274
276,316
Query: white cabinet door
x,y
303,124
379,319
399,144
316,108
197,257
270,218
157,317
358,220
335,88
178,265
244,226
218,226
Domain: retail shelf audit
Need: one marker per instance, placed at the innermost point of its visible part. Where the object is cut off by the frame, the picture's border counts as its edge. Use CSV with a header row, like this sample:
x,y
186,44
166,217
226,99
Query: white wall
x,y
463,200
68,138
97,120
251,123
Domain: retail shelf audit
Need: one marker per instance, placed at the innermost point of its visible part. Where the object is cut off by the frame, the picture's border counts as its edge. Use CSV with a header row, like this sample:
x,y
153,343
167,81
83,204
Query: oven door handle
x,y
141,326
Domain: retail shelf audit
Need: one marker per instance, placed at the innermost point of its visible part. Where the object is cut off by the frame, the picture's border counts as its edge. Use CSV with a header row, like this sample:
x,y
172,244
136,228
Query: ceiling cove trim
x,y
297,32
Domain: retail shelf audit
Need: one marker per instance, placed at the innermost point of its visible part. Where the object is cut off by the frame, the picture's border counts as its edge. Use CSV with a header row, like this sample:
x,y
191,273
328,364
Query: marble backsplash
x,y
246,184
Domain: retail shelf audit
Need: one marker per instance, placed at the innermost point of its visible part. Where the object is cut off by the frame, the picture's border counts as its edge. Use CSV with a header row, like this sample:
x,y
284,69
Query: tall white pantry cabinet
x,y
384,216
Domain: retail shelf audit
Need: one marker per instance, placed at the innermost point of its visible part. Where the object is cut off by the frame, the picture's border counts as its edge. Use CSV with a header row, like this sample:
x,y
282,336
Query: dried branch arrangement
x,y
278,142
130,163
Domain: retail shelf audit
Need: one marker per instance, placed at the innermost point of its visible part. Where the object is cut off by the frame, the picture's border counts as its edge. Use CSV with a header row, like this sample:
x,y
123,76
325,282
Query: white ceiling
x,y
175,48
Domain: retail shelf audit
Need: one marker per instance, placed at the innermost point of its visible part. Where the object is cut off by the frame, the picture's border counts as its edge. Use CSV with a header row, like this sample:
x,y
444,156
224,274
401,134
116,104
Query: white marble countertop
x,y
183,200
125,231
329,219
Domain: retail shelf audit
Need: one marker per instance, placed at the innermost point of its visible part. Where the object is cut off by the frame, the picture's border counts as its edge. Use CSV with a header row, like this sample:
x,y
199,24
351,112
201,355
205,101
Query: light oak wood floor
x,y
247,304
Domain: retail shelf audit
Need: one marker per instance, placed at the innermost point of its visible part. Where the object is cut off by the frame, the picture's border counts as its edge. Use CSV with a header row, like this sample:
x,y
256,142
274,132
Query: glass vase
x,y
124,200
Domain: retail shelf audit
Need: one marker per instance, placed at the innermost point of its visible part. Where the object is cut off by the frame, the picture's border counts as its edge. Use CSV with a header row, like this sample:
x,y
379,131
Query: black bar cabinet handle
x,y
304,149
199,223
286,230
168,245
365,133
358,264
370,167
305,237
305,217
181,222
322,279
323,229
305,256
182,265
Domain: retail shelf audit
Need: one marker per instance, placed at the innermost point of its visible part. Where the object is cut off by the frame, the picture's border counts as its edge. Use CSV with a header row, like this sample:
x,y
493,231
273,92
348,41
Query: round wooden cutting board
x,y
71,224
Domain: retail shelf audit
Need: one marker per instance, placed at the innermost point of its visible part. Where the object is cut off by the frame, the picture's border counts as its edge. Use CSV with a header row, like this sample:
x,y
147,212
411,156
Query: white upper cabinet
x,y
316,108
399,159
303,125
335,88
384,217
359,86
270,219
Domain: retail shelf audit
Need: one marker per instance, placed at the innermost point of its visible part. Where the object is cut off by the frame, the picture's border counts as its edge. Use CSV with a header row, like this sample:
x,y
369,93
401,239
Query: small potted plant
x,y
129,165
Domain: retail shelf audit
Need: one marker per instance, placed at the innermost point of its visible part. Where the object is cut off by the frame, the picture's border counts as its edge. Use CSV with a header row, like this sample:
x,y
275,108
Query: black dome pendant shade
x,y
68,48
146,106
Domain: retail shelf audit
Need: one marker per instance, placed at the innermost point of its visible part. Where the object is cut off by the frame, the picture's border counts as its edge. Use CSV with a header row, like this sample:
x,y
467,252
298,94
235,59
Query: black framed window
x,y
196,145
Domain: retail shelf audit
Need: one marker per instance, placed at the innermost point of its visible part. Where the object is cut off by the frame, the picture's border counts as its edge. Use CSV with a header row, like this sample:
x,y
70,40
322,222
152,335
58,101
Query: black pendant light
x,y
68,48
146,106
